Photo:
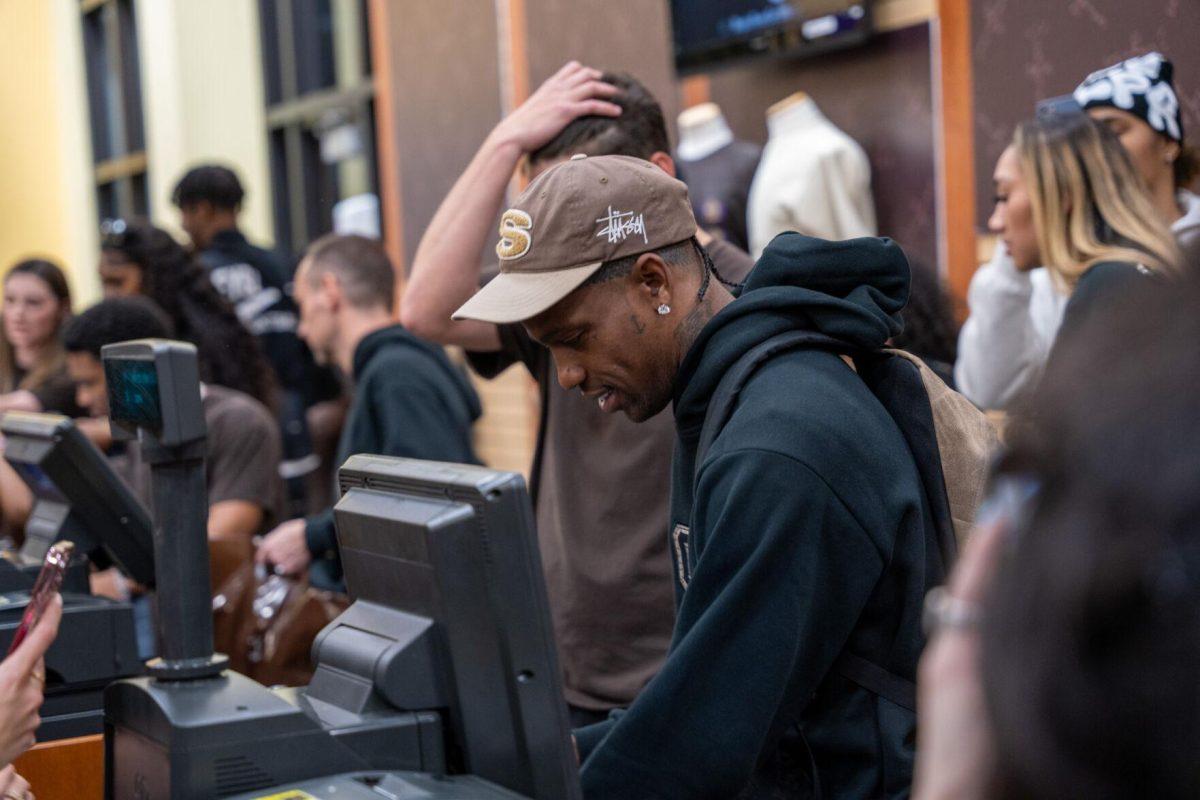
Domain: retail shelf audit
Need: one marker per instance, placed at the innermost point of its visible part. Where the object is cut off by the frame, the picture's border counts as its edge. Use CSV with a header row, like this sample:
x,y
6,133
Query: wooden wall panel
x,y
441,78
1028,50
631,36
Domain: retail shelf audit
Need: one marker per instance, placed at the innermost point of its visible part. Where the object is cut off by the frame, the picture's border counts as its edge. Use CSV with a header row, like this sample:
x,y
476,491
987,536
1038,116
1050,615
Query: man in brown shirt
x,y
600,483
245,494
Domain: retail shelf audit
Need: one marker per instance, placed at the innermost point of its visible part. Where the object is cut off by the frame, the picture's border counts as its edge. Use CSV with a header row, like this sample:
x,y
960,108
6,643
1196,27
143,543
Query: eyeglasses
x,y
112,232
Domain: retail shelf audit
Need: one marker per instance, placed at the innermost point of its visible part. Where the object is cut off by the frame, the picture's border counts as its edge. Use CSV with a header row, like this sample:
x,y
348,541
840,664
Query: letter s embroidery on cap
x,y
515,235
681,540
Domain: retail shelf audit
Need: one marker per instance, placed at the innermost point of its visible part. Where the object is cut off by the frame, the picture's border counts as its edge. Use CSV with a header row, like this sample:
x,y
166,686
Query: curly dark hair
x,y
229,354
211,183
118,319
930,331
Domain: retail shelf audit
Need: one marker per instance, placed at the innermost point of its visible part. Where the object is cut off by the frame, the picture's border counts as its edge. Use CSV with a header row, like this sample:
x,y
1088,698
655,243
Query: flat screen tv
x,y
709,33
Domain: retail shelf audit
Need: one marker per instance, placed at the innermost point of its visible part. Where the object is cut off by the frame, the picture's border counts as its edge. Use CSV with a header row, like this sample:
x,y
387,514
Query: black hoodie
x,y
409,400
806,538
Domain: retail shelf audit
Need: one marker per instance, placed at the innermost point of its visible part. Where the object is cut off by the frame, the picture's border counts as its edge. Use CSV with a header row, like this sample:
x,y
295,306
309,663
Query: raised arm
x,y
445,271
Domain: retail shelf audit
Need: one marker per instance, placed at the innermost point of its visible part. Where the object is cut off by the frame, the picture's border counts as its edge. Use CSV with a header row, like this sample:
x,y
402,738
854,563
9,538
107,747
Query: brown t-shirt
x,y
56,393
601,490
241,460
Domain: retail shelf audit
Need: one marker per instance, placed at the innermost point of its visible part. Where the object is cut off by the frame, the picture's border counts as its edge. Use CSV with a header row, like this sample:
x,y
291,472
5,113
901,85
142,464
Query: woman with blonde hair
x,y
1068,198
1015,314
33,372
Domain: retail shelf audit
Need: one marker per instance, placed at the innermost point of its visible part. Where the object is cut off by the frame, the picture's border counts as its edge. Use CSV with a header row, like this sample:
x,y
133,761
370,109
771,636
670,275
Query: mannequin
x,y
702,132
812,178
718,171
793,99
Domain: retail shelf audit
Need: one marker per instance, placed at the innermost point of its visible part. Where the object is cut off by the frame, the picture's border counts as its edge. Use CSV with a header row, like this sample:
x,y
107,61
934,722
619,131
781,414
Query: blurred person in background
x,y
137,258
409,399
1067,197
1015,312
242,450
256,282
1068,643
929,330
600,484
33,370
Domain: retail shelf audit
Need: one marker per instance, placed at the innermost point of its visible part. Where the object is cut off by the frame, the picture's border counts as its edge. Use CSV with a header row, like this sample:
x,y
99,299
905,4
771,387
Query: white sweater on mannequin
x,y
813,178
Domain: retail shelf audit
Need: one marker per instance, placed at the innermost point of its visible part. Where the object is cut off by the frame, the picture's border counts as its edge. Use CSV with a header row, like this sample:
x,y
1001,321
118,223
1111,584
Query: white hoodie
x,y
1004,344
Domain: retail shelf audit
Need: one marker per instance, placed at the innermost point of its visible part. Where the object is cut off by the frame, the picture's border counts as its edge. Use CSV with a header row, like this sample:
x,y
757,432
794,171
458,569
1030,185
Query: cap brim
x,y
517,296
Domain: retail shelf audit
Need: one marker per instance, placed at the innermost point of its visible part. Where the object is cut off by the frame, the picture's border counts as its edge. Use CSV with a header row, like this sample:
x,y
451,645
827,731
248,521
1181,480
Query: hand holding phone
x,y
49,581
22,678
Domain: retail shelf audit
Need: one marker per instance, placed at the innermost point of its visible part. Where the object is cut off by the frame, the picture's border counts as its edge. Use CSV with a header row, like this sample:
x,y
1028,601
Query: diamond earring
x,y
664,309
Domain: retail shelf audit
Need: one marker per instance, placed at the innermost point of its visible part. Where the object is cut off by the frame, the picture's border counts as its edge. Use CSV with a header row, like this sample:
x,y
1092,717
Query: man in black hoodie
x,y
409,399
801,539
255,282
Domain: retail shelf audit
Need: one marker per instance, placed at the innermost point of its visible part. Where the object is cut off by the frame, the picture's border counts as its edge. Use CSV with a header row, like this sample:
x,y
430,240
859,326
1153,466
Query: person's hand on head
x,y
13,786
286,548
572,92
22,678
954,741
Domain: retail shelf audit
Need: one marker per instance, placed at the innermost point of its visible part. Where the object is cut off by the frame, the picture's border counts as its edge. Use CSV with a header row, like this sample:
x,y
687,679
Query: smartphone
x,y
49,581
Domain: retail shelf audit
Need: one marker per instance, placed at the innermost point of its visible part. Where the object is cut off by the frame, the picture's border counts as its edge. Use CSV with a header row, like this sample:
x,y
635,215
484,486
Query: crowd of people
x,y
762,579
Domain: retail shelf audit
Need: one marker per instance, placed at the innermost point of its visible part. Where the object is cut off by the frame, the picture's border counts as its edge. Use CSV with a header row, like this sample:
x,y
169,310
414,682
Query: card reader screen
x,y
133,392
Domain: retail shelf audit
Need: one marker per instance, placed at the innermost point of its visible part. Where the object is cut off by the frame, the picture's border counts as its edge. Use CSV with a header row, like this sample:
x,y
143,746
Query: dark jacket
x,y
806,537
1098,293
255,282
409,400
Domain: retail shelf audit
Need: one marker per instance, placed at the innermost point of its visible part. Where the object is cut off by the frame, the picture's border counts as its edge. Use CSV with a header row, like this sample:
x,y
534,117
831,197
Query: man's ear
x,y
651,280
663,161
331,288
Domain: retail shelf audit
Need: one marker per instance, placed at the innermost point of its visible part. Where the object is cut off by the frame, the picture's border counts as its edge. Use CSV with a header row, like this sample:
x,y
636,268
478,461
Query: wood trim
x,y
892,15
388,161
954,90
65,767
518,54
513,54
514,66
694,90
113,169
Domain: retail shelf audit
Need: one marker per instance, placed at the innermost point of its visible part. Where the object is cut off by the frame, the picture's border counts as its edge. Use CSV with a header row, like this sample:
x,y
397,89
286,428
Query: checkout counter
x,y
439,681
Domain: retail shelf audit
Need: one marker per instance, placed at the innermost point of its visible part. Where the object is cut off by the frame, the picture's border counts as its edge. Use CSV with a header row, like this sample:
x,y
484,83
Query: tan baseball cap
x,y
573,218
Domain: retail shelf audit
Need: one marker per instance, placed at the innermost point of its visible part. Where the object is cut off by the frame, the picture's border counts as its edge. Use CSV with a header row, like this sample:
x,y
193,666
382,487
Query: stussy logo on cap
x,y
516,235
619,225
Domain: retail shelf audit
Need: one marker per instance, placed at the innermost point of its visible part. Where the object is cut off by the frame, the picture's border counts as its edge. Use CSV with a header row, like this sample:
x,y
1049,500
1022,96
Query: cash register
x,y
76,497
439,681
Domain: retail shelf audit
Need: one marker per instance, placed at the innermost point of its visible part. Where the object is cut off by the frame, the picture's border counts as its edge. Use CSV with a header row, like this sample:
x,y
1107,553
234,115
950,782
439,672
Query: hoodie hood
x,y
376,341
851,290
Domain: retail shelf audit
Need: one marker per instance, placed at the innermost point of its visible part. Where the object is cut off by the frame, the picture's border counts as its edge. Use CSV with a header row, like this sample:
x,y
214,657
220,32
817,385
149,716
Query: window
x,y
114,90
320,112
